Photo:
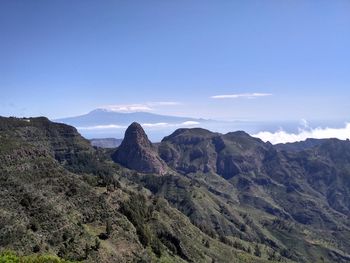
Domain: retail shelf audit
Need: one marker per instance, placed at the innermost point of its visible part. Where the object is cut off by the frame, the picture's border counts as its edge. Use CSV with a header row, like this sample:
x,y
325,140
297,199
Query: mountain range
x,y
104,123
196,196
102,117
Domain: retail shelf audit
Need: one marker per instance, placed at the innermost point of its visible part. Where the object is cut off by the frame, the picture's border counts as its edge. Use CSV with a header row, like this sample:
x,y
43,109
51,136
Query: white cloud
x,y
241,95
102,127
282,136
145,125
166,125
127,108
140,107
190,123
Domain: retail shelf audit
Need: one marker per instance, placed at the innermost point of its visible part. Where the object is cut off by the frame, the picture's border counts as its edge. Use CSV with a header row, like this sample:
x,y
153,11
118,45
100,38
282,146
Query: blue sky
x,y
63,58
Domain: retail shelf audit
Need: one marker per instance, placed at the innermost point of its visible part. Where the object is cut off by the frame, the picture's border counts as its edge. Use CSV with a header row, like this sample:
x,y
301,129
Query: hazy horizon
x,y
107,123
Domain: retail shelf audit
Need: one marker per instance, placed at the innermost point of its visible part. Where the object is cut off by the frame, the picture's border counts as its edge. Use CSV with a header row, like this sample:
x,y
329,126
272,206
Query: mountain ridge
x,y
224,197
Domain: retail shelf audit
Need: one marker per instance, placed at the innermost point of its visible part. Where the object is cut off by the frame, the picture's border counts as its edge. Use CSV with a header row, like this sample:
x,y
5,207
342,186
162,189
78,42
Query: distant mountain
x,y
102,123
104,117
106,142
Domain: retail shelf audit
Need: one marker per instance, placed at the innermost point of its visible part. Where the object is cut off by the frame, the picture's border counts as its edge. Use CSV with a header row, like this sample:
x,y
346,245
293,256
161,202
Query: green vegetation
x,y
136,210
11,257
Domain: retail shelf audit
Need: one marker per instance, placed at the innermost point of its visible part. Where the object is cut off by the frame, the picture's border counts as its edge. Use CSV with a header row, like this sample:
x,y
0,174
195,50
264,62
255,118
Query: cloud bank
x,y
127,108
241,95
282,136
138,107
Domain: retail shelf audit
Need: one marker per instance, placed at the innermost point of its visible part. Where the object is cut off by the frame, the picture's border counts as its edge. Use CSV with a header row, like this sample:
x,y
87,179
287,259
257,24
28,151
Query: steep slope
x,y
137,152
45,208
326,168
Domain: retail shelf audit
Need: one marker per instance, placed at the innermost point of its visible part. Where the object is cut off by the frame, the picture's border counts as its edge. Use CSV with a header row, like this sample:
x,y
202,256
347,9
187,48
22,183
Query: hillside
x,y
60,196
240,189
217,197
297,201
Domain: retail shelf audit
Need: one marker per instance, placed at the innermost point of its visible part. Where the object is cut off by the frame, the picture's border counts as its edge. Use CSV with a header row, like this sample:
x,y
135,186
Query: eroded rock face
x,y
137,152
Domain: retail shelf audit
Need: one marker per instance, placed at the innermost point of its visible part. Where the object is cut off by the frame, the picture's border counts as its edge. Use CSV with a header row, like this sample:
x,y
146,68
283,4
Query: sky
x,y
252,60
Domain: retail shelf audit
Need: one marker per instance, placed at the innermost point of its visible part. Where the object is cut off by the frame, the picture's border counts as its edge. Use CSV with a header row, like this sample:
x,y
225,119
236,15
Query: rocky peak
x,y
137,152
135,135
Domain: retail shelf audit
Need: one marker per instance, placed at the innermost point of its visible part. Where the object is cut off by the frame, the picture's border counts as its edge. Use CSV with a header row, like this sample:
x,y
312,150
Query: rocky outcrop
x,y
137,152
199,150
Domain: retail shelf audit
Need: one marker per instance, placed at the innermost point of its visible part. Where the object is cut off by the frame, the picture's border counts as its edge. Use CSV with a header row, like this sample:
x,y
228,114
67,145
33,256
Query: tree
x,y
257,251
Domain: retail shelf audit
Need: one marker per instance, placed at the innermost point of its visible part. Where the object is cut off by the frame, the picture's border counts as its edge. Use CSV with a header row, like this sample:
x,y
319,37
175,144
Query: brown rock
x,y
137,152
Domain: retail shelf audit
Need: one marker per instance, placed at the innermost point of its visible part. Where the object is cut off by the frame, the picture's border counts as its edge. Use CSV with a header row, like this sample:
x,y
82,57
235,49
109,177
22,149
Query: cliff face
x,y
137,152
198,150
